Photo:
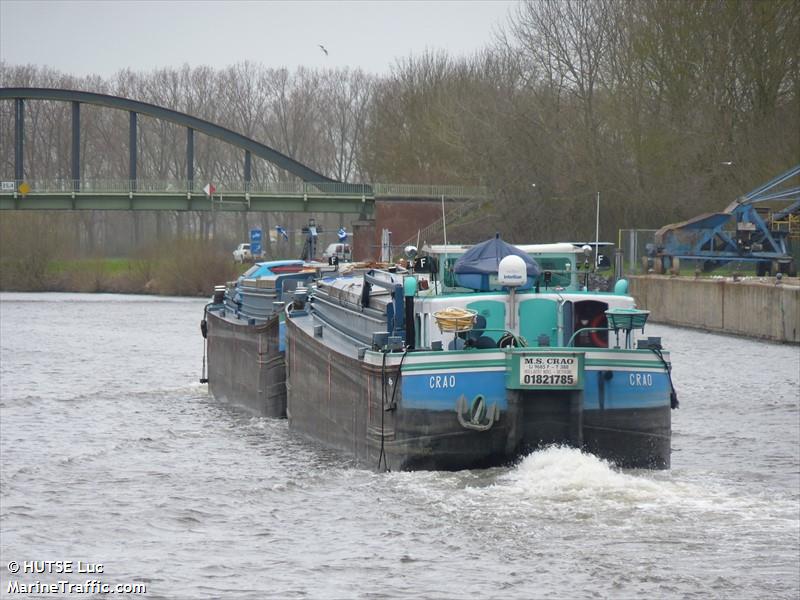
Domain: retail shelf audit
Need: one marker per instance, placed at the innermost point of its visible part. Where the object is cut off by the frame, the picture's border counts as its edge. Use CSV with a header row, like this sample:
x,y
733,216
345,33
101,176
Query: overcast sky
x,y
102,37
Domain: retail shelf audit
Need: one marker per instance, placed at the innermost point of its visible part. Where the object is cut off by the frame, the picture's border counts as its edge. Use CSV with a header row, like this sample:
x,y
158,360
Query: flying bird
x,y
321,47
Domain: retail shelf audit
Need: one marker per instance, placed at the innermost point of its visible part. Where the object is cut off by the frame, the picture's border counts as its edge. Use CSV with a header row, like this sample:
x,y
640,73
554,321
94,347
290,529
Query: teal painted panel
x,y
536,317
495,314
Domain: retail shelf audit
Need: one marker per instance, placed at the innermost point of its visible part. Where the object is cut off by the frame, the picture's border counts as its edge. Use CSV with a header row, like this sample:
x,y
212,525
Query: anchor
x,y
476,416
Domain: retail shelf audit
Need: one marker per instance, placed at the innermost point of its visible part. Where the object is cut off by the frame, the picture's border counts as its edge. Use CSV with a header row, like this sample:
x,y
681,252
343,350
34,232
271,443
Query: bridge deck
x,y
273,197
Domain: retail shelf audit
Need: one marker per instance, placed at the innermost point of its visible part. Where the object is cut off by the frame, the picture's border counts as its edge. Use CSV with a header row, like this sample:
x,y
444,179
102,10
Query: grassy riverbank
x,y
183,268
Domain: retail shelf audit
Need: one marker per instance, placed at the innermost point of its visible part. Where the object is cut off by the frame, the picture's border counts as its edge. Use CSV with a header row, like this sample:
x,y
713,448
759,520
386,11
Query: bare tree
x,y
343,108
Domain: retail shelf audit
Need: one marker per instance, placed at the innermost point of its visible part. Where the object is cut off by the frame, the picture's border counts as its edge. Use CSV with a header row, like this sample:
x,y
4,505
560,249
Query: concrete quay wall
x,y
753,308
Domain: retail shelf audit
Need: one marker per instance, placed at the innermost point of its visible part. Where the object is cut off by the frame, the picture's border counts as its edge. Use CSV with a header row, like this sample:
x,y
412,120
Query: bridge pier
x,y
363,238
403,217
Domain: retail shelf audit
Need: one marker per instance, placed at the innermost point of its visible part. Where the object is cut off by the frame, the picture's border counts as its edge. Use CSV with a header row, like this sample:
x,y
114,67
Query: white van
x,y
242,253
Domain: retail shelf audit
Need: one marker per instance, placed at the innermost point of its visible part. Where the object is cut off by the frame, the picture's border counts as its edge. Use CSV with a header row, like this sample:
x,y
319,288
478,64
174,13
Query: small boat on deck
x,y
475,356
244,331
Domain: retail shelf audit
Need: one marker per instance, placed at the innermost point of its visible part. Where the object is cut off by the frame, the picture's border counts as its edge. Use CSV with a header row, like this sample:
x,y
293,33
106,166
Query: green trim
x,y
502,363
438,353
473,358
623,363
455,365
594,349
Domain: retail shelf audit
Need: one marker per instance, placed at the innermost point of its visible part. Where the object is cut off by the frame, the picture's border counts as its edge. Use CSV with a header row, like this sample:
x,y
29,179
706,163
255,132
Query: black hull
x,y
633,439
245,366
431,442
329,399
339,401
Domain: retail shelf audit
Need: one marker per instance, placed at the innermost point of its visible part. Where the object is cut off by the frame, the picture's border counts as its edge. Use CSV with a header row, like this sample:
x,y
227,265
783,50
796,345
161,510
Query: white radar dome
x,y
512,271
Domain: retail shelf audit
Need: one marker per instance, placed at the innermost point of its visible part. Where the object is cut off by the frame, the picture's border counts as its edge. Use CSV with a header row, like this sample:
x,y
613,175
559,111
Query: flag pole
x,y
444,227
597,234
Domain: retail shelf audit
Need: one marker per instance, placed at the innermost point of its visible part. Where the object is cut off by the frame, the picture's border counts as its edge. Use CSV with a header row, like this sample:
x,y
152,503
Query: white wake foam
x,y
567,477
560,473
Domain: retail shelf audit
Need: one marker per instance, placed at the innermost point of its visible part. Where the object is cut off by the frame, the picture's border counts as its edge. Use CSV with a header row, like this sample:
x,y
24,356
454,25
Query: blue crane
x,y
748,230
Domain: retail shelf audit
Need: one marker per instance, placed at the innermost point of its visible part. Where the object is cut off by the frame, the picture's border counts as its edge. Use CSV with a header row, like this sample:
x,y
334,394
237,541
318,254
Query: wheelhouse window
x,y
560,269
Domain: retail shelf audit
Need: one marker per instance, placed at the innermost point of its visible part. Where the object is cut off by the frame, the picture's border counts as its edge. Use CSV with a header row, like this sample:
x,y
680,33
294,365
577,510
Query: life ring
x,y
597,321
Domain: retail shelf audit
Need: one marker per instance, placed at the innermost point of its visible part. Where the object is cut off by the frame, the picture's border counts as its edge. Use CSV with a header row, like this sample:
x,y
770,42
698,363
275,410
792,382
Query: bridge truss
x,y
309,192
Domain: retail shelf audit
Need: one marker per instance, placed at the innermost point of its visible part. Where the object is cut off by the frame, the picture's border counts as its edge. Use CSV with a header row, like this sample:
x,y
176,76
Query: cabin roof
x,y
560,248
556,248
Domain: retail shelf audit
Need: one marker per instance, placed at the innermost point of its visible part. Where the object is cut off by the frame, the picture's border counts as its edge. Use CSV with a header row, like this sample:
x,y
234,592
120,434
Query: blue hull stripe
x,y
442,391
627,389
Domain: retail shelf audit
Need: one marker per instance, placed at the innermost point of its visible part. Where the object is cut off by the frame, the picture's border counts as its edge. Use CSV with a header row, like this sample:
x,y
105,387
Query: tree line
x,y
667,109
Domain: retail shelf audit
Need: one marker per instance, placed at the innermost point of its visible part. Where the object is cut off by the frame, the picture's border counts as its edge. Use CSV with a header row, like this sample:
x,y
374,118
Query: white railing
x,y
429,191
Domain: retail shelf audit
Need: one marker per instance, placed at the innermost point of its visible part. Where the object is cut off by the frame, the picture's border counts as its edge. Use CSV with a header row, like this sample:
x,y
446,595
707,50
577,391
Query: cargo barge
x,y
474,357
244,331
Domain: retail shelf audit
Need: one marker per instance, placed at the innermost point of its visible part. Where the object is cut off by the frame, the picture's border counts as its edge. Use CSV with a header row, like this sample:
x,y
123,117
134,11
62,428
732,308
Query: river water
x,y
113,454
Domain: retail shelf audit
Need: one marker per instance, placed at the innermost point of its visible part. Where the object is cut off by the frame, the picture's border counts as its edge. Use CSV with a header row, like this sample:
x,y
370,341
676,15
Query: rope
x,y
673,395
396,379
203,378
382,455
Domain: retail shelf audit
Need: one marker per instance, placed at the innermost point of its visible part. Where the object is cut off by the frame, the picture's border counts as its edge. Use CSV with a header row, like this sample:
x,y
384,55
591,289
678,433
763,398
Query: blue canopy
x,y
484,258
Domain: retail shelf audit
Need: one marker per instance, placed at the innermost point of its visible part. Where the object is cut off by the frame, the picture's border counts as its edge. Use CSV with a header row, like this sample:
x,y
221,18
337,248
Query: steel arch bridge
x,y
311,192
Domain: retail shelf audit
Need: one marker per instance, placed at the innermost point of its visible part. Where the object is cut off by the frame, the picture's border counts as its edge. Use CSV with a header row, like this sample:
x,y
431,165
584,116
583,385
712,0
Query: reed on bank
x,y
180,268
